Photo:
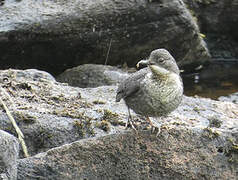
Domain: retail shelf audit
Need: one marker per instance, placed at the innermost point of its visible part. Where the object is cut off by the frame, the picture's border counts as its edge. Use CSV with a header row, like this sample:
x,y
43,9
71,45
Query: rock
x,y
178,152
218,21
9,149
51,114
28,74
54,36
215,16
230,98
92,75
3,176
77,133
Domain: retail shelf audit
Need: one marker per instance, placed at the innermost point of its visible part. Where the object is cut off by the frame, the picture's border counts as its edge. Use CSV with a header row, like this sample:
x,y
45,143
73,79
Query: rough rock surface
x,y
9,149
86,129
51,114
92,75
177,153
231,98
56,35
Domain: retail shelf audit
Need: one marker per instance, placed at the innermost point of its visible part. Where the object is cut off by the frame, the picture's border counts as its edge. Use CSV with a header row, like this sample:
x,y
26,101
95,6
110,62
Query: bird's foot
x,y
153,127
130,123
158,131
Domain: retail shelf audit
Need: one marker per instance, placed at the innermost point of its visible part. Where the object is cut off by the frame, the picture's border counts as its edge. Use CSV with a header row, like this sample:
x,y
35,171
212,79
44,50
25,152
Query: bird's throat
x,y
159,72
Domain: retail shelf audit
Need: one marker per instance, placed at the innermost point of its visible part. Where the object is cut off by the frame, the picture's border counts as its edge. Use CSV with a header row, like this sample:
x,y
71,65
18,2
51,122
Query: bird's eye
x,y
161,60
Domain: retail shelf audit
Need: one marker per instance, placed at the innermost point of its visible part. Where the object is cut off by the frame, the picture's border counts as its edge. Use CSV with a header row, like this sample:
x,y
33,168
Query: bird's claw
x,y
129,123
154,129
158,131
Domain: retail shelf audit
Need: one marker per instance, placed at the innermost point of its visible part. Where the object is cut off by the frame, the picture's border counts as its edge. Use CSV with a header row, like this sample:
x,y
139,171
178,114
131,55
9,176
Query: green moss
x,y
111,117
98,102
104,125
214,122
211,133
234,146
67,112
178,123
196,109
26,118
84,127
80,127
230,150
117,122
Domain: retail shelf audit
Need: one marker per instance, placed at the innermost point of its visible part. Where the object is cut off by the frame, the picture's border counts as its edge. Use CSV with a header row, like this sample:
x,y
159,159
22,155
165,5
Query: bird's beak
x,y
142,63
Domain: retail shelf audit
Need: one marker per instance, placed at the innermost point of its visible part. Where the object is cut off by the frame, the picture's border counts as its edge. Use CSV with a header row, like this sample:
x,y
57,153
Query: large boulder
x,y
92,75
77,133
177,153
56,35
51,114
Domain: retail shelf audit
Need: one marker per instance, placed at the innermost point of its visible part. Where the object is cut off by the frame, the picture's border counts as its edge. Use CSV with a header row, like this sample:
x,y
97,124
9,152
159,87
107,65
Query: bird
x,y
154,91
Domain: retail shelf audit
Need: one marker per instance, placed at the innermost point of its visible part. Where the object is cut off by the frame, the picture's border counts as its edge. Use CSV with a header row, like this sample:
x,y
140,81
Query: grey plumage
x,y
155,90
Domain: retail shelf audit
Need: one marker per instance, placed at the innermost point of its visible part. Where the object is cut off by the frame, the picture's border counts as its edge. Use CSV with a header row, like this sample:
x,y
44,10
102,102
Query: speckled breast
x,y
157,98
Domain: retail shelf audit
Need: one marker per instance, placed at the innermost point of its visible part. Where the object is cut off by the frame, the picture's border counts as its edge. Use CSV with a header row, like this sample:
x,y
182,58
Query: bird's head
x,y
160,58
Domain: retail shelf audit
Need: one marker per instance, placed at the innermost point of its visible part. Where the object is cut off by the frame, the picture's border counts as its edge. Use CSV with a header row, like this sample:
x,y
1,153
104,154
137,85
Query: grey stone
x,y
92,75
9,149
28,74
178,153
3,176
51,114
54,36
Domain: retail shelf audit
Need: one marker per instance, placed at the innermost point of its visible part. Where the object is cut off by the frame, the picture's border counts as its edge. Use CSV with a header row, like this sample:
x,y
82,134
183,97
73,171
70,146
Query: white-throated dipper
x,y
153,91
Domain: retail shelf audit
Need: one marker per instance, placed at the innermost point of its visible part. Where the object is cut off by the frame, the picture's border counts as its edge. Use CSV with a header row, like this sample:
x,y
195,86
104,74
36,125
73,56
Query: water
x,y
219,79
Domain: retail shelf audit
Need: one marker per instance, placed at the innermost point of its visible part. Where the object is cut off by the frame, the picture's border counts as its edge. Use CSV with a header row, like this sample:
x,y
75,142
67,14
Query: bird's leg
x,y
151,124
158,131
153,127
129,121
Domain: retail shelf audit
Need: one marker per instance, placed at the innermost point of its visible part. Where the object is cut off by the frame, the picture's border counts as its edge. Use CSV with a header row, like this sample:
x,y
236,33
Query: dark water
x,y
219,79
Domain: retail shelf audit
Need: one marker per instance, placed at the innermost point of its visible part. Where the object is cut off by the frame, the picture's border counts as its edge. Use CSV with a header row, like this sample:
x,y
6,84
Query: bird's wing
x,y
131,84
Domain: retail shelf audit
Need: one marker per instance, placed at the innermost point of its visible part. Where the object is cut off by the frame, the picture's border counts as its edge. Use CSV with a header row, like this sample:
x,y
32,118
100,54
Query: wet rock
x,y
9,149
92,75
56,35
